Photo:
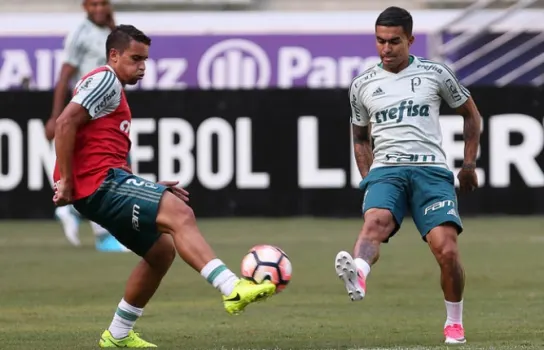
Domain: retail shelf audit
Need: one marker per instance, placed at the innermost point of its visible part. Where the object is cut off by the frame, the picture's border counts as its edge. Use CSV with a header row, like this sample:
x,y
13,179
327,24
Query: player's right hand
x,y
63,194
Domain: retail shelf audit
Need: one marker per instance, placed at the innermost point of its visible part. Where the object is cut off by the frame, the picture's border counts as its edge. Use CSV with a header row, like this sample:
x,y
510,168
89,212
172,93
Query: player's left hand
x,y
63,193
468,180
179,192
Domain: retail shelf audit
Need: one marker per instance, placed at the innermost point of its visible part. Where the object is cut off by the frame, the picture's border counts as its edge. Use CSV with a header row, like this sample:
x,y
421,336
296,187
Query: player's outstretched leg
x,y
443,243
69,220
378,225
141,286
177,218
141,215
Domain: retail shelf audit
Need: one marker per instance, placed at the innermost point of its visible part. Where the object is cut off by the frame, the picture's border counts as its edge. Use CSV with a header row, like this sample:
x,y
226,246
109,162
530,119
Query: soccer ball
x,y
267,262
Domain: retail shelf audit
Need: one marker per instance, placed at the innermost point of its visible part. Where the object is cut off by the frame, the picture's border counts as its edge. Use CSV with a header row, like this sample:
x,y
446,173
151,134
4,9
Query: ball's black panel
x,y
282,252
256,256
279,270
268,263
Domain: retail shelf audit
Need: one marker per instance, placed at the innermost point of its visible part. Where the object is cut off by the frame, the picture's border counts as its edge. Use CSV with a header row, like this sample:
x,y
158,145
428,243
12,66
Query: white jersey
x,y
99,92
403,110
85,48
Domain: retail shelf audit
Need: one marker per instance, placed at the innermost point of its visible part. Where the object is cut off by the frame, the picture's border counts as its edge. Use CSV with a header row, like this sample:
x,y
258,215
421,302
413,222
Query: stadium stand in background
x,y
278,5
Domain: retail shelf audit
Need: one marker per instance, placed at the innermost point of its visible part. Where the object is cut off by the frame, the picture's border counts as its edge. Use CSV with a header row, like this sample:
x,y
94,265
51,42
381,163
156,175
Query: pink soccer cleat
x,y
353,278
455,334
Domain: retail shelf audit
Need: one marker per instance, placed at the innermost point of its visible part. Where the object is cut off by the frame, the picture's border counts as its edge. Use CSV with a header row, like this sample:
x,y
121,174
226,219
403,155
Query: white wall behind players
x,y
209,23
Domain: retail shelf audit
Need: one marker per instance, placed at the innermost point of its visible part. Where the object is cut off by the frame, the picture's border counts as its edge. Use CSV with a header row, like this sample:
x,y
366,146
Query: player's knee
x,y
443,243
183,216
184,213
379,224
447,254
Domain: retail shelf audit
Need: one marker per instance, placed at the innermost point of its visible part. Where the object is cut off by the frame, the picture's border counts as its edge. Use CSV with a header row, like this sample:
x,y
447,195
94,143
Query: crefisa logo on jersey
x,y
430,67
405,109
104,102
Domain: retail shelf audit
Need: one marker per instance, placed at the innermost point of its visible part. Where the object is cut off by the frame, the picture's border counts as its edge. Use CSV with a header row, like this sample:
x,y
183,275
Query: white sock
x,y
363,266
219,276
68,210
124,319
70,224
98,230
63,211
454,312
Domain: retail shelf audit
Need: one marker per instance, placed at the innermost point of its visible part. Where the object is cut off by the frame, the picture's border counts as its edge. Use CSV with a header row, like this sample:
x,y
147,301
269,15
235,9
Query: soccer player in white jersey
x,y
83,51
397,143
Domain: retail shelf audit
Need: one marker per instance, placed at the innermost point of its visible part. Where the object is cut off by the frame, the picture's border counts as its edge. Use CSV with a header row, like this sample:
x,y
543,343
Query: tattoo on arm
x,y
362,148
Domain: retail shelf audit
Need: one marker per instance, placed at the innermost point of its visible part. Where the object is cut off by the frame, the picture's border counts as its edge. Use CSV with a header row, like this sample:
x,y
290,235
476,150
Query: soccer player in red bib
x,y
83,52
91,172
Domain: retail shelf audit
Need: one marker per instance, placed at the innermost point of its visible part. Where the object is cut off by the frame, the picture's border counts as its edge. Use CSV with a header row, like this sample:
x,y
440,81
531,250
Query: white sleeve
x,y
451,89
359,114
74,49
99,94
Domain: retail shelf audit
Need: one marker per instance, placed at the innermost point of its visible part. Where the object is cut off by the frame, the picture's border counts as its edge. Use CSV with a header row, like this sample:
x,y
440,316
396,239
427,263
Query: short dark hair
x,y
122,35
396,17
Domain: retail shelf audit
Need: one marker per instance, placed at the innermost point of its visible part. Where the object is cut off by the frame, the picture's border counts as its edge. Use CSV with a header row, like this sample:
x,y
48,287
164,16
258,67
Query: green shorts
x,y
127,206
427,191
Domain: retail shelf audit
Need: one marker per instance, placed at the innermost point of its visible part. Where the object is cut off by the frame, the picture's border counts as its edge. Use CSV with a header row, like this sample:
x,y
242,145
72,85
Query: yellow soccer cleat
x,y
132,340
245,293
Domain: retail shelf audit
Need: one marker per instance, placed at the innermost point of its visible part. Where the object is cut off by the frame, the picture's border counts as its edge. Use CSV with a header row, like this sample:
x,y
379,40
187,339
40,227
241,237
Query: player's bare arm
x,y
70,120
59,98
471,129
468,180
362,148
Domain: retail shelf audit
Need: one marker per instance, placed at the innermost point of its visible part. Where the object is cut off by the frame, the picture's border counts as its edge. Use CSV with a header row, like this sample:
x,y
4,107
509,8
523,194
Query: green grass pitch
x,y
53,296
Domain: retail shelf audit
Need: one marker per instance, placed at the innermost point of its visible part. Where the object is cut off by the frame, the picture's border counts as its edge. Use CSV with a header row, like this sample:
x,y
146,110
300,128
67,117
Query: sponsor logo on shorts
x,y
136,217
440,205
141,183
